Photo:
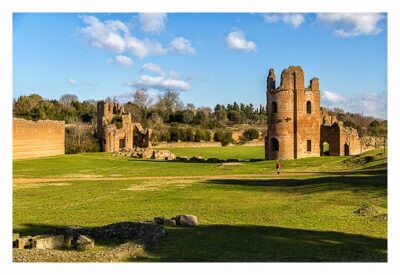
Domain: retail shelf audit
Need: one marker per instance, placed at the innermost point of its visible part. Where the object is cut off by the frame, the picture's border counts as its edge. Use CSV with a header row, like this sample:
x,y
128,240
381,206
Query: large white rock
x,y
186,220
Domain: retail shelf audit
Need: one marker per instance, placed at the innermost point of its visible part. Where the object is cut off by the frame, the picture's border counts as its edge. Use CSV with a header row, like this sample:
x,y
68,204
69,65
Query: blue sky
x,y
210,57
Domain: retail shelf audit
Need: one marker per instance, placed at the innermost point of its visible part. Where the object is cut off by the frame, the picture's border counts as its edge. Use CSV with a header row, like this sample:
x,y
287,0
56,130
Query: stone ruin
x,y
116,131
83,238
297,125
179,220
146,153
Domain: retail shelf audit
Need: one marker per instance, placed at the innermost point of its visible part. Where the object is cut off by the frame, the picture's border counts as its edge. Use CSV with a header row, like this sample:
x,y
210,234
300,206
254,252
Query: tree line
x,y
170,119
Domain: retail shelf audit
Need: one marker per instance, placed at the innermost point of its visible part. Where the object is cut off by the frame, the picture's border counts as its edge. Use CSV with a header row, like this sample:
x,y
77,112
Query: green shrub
x,y
187,135
174,134
225,137
200,135
250,134
208,135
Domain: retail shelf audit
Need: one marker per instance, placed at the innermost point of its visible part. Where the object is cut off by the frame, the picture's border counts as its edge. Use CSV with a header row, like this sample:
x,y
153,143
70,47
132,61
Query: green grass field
x,y
246,212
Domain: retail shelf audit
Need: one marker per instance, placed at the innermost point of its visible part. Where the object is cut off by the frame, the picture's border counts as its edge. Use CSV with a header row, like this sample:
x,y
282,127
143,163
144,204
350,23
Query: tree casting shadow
x,y
377,182
250,243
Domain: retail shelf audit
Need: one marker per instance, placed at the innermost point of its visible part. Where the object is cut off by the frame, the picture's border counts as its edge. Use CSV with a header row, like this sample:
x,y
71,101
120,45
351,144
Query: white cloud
x,y
121,59
115,36
372,104
153,68
107,35
352,24
236,40
143,48
293,19
152,22
161,81
332,97
72,81
182,45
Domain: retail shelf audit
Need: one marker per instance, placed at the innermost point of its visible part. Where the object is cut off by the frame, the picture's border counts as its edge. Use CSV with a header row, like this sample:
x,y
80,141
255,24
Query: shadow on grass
x,y
249,243
366,183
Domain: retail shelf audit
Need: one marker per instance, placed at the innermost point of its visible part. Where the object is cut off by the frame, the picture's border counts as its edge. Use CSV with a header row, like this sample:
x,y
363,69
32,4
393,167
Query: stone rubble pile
x,y
83,238
145,153
179,220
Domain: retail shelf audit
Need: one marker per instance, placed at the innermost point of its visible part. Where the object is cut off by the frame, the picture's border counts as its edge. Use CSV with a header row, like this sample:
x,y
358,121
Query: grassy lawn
x,y
291,217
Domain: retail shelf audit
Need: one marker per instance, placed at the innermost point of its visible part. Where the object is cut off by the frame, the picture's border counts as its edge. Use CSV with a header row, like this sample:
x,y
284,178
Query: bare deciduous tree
x,y
141,98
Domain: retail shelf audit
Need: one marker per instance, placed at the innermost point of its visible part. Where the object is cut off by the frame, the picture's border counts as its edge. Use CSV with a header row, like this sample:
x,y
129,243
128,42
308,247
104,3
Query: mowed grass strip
x,y
290,218
104,165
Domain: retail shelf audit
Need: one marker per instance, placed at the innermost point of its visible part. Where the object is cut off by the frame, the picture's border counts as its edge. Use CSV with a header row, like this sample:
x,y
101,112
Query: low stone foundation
x,y
83,238
146,153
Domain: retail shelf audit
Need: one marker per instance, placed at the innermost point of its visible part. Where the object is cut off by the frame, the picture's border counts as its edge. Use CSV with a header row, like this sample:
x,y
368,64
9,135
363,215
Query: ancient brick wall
x,y
350,141
294,127
280,125
331,134
124,137
308,121
41,138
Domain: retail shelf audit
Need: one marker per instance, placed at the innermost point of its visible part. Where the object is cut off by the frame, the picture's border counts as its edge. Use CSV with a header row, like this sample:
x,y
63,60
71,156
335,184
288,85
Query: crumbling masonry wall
x,y
116,131
32,139
297,126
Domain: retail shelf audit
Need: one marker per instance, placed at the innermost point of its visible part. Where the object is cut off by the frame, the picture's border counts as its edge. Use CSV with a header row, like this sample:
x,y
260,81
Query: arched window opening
x,y
275,144
346,149
274,107
308,107
325,148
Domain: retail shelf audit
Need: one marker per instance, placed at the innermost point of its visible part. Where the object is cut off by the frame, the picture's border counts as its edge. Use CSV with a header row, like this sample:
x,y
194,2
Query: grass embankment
x,y
300,217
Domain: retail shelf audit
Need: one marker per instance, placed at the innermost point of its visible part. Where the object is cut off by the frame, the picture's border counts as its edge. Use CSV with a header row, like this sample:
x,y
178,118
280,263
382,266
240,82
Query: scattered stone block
x,y
48,241
159,220
163,154
382,217
147,153
84,243
68,240
368,210
197,159
186,220
232,160
213,160
23,242
182,158
170,222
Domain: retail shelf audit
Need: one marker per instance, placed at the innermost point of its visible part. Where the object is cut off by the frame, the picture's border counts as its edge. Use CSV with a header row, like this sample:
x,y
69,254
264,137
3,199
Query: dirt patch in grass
x,y
39,185
59,184
155,185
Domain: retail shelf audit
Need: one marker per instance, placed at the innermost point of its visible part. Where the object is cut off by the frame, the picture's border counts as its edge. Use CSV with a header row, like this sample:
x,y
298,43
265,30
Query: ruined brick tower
x,y
294,117
297,126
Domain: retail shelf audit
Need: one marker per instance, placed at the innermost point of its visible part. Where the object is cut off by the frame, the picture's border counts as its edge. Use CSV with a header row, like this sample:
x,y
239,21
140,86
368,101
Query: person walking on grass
x,y
278,167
